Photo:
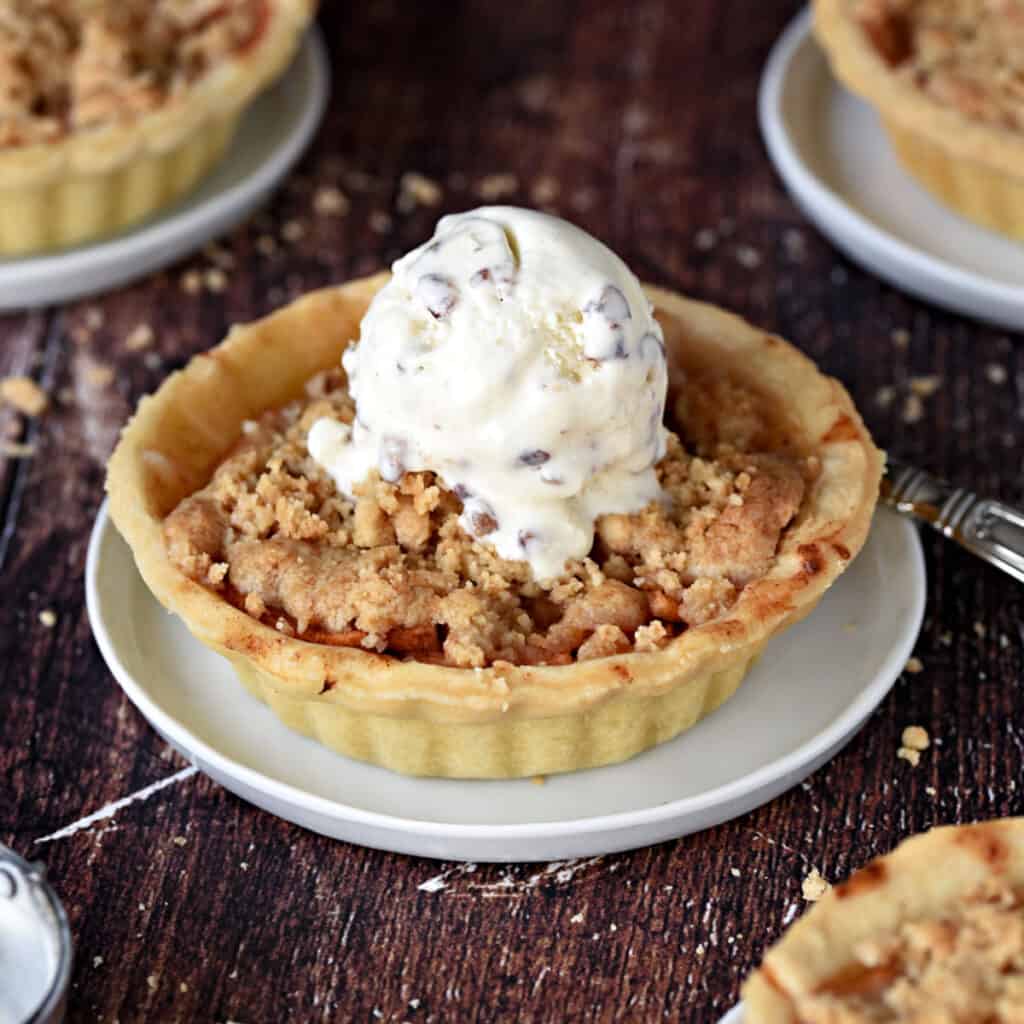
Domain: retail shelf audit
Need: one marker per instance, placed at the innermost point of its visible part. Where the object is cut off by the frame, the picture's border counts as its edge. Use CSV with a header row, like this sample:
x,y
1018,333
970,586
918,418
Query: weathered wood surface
x,y
637,120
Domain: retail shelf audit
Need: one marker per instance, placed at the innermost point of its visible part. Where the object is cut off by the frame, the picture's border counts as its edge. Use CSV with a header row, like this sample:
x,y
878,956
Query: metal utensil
x,y
990,529
35,945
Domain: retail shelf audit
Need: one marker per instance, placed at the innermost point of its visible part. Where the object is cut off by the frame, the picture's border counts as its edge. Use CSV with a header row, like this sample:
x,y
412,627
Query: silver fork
x,y
990,529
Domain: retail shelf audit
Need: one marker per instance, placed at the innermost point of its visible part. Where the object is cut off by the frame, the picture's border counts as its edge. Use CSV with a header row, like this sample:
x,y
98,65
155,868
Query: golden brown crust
x,y
181,433
901,942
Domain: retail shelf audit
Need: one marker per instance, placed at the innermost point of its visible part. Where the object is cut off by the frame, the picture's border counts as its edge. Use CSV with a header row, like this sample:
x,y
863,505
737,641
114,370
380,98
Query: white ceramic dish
x,y
271,137
734,1016
833,155
811,691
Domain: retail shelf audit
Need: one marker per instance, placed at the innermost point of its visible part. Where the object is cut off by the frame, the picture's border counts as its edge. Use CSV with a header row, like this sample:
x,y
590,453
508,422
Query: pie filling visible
x,y
394,572
964,54
67,65
963,967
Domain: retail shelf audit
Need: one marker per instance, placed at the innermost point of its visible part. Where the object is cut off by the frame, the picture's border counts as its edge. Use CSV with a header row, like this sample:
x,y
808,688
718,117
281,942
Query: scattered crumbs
x,y
216,280
16,450
925,386
414,1004
914,666
48,617
577,918
293,231
814,886
142,906
179,840
192,282
900,337
497,186
545,190
915,737
700,949
24,394
93,318
329,201
97,961
980,630
996,373
735,872
913,408
380,222
417,190
884,396
183,987
377,1014
266,245
613,927
220,257
747,256
244,865
233,975
1004,641
139,337
946,639
909,754
794,245
99,375
931,790
705,239
152,981
539,780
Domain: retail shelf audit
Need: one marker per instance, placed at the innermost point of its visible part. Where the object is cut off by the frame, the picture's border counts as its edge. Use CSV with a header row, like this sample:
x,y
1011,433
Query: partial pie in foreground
x,y
381,629
947,79
111,109
933,933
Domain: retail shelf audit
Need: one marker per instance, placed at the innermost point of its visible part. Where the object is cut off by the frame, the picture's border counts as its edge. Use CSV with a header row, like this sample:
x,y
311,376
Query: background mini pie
x,y
393,694
947,80
932,932
110,110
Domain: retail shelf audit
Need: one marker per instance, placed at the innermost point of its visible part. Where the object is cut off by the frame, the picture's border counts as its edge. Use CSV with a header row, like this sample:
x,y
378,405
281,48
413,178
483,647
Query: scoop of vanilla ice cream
x,y
518,358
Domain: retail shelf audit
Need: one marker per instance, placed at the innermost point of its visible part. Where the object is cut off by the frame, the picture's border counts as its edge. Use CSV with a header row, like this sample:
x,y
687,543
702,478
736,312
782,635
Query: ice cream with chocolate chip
x,y
517,358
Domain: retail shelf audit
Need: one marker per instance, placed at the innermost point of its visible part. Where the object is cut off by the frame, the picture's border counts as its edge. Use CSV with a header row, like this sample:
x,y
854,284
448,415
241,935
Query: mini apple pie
x,y
947,79
934,932
452,559
110,109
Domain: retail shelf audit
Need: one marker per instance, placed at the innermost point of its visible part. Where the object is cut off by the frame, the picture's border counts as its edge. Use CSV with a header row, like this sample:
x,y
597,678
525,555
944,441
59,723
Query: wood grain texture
x,y
636,120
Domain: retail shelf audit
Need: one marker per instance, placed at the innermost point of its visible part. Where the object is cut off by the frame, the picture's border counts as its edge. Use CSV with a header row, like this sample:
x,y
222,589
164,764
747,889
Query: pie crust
x,y
925,890
972,165
94,182
503,720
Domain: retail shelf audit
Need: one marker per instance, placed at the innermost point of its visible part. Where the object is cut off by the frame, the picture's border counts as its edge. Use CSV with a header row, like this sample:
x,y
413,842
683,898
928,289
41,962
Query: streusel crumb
x,y
393,571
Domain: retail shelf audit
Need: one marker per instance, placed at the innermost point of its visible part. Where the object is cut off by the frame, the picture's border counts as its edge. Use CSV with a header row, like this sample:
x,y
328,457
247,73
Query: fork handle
x,y
992,530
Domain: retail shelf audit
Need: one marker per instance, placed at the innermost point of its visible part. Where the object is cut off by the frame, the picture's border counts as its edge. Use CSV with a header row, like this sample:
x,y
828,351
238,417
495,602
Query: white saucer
x,y
809,693
271,137
835,159
734,1016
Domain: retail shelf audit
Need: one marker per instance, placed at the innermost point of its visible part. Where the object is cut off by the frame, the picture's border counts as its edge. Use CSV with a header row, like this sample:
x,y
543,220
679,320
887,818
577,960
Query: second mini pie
x,y
947,80
577,578
111,109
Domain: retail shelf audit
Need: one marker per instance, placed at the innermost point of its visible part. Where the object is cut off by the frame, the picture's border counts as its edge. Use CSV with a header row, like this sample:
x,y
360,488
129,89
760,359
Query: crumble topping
x,y
965,54
67,65
963,966
394,571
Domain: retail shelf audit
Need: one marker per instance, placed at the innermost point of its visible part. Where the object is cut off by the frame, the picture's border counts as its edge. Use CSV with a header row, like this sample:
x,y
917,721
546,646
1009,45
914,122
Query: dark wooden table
x,y
636,120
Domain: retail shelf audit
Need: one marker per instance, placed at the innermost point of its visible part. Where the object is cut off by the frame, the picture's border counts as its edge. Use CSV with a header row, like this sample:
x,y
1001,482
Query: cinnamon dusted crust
x,y
903,943
394,572
964,54
66,65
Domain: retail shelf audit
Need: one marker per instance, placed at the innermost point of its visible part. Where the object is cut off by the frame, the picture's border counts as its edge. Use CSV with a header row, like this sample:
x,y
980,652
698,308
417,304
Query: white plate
x,y
809,693
734,1016
835,159
271,137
